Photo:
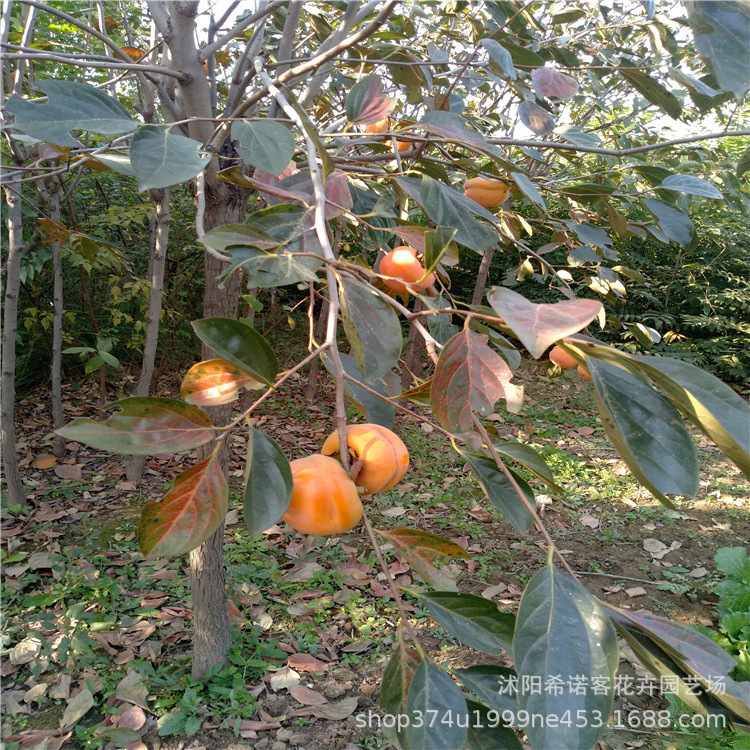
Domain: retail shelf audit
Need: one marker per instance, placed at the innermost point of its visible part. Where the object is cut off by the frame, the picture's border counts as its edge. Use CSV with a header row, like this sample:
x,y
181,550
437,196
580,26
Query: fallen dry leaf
x,y
658,549
306,663
68,471
636,591
44,462
492,591
306,696
336,711
132,690
698,572
284,678
77,707
587,520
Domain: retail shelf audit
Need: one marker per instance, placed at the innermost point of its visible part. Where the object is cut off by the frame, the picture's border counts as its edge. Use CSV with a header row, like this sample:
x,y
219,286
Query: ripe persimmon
x,y
485,192
562,359
402,145
584,373
402,263
378,127
324,500
383,454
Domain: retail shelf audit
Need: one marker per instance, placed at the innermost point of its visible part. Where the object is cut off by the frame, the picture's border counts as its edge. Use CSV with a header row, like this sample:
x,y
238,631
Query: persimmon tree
x,y
266,114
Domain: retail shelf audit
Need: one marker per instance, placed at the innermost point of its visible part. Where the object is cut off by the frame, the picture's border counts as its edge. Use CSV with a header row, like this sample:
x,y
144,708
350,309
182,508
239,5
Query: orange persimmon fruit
x,y
401,263
584,373
384,457
485,192
378,127
562,359
324,500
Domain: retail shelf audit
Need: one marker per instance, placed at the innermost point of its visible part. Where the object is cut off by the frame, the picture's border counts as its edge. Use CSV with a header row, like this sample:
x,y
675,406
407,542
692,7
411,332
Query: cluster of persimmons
x,y
325,497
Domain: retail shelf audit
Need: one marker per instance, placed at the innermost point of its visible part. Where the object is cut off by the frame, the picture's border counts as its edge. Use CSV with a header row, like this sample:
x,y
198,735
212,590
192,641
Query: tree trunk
x,y
225,204
312,375
159,242
484,272
413,353
51,195
16,493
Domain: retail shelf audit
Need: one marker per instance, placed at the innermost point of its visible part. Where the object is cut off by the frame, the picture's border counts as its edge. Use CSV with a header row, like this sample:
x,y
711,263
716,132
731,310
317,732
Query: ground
x,y
86,615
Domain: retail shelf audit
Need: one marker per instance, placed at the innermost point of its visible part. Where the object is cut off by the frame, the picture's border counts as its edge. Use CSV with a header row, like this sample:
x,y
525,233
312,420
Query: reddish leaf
x,y
550,83
214,382
366,103
470,377
306,663
421,549
44,462
189,513
538,326
145,427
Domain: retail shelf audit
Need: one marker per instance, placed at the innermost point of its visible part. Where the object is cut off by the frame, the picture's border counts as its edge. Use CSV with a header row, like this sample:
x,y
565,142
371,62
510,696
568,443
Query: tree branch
x,y
209,49
80,24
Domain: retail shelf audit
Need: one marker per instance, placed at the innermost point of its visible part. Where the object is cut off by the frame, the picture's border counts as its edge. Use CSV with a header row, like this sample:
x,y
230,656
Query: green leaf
x,y
71,105
562,633
396,679
501,57
674,223
496,686
372,328
535,118
646,430
487,730
500,492
267,270
233,235
734,562
653,91
743,164
264,144
161,159
421,549
712,406
475,621
538,326
527,187
366,104
529,459
146,426
470,377
435,697
240,344
590,234
447,207
579,137
436,243
684,183
722,37
693,83
378,410
686,652
189,513
269,483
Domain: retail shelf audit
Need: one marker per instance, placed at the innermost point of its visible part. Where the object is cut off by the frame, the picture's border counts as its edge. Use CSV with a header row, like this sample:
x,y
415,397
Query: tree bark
x,y
50,194
14,486
320,330
484,272
413,353
159,243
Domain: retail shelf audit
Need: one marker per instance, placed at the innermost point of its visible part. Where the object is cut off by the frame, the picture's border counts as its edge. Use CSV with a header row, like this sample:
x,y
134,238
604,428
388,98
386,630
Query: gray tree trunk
x,y
49,190
159,242
484,272
16,494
